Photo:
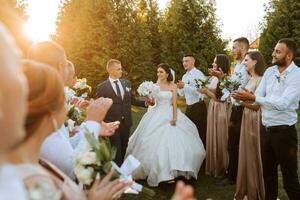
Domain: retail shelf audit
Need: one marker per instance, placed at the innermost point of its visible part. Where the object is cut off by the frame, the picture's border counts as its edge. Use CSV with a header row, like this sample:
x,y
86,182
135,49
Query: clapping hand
x,y
243,95
106,189
183,192
98,108
217,73
108,129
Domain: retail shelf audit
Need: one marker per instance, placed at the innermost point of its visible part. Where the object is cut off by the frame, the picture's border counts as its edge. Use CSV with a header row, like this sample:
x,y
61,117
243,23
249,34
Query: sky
x,y
236,18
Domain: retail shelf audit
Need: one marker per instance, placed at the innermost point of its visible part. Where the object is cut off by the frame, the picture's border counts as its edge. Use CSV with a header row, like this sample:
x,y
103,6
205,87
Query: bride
x,y
166,142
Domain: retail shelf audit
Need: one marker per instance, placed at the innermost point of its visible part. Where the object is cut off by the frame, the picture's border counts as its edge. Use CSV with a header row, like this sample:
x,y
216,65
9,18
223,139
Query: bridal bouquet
x,y
96,160
202,82
147,88
82,89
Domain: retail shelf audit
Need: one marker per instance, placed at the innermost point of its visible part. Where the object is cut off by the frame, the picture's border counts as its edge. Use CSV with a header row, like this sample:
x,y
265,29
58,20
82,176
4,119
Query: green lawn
x,y
205,187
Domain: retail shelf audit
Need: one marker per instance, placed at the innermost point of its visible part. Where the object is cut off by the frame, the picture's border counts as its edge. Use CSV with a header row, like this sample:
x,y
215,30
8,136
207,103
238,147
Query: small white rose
x,y
128,89
88,158
84,175
71,125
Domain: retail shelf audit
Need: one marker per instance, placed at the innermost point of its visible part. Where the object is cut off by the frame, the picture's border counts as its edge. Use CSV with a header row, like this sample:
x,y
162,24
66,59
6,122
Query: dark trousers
x,y
197,113
120,141
234,131
279,147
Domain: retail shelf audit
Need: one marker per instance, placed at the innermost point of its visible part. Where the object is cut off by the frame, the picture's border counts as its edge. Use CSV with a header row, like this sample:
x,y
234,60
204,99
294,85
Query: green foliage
x,y
282,20
136,33
189,27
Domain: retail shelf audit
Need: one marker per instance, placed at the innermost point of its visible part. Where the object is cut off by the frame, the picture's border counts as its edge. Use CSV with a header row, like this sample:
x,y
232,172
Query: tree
x,y
189,27
281,21
108,29
12,15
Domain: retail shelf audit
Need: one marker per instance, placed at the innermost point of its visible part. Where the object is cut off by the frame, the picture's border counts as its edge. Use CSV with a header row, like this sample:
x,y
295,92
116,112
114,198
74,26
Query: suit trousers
x,y
234,131
120,141
279,147
197,113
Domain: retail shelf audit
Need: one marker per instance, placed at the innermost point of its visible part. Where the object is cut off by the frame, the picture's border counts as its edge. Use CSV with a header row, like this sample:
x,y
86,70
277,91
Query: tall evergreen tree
x,y
282,20
189,27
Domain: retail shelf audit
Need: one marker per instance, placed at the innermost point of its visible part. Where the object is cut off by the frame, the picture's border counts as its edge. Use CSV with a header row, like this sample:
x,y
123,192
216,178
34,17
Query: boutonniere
x,y
128,89
280,78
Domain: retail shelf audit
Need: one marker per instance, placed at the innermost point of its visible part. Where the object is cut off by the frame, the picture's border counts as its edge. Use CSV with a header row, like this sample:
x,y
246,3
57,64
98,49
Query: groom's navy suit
x,y
119,111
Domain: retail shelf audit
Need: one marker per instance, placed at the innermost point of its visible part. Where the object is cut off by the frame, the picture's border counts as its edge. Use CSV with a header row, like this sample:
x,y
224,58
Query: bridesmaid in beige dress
x,y
217,136
250,183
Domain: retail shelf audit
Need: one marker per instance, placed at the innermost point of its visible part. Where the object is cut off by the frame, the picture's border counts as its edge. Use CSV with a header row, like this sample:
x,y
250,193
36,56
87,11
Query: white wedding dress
x,y
165,151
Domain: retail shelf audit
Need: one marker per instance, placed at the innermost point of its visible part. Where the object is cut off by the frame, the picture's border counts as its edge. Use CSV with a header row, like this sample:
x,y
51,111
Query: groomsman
x,y
278,95
119,90
239,49
196,109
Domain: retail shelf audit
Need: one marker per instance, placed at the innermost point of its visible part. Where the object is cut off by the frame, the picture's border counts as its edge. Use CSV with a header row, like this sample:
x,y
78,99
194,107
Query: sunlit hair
x,y
260,65
48,52
290,44
111,63
166,67
46,93
243,41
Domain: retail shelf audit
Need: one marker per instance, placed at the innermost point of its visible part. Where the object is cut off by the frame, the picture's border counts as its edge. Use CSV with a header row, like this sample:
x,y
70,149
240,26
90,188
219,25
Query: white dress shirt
x,y
59,149
279,96
189,91
115,88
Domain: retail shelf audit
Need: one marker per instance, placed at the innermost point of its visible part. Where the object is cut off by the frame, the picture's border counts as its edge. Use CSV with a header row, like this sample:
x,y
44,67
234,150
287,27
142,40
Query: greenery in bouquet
x,y
203,82
82,89
97,160
75,117
230,84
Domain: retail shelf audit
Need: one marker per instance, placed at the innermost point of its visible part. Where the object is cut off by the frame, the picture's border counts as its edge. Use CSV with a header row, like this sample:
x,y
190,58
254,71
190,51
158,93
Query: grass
x,y
204,187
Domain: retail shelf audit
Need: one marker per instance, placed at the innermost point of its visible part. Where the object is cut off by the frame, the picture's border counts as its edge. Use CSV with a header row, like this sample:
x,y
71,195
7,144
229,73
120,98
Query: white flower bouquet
x,y
147,89
202,82
96,161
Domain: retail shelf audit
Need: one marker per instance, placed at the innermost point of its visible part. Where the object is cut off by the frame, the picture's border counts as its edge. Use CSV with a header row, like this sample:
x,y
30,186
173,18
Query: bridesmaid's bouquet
x,y
230,84
96,161
82,89
147,88
202,82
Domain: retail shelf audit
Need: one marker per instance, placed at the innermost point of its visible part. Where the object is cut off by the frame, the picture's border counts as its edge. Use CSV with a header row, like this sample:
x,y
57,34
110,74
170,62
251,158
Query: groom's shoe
x,y
225,182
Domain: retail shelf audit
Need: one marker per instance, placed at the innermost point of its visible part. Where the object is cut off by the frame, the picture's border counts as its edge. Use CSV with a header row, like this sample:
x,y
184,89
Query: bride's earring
x,y
54,123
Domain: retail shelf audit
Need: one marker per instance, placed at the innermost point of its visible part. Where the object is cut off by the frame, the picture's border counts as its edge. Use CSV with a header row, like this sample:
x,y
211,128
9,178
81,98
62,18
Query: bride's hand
x,y
173,122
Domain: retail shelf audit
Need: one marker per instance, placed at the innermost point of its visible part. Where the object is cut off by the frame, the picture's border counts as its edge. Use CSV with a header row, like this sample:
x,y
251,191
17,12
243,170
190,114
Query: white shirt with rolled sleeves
x,y
279,96
59,149
189,91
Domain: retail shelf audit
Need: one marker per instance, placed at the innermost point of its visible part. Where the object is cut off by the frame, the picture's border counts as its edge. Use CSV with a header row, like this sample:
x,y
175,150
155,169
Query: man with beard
x,y
278,95
239,49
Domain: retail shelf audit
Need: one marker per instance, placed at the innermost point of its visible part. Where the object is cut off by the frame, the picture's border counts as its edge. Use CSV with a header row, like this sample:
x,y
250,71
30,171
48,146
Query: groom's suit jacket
x,y
121,108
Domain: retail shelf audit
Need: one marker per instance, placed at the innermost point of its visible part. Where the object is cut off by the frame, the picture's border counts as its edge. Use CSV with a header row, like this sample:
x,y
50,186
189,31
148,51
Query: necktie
x,y
118,88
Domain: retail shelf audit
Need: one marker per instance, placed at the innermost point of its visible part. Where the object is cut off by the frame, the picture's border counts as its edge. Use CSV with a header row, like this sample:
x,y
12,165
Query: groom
x,y
119,91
